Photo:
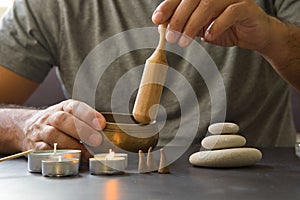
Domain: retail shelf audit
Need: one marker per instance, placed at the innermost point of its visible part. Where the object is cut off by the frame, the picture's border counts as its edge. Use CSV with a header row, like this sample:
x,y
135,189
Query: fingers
x,y
192,17
48,135
180,17
79,121
41,145
51,135
69,124
231,15
206,12
74,119
164,11
85,113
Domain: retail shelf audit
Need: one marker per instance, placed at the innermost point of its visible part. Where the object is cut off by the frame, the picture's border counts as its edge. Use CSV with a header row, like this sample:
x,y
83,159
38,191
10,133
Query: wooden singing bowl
x,y
126,133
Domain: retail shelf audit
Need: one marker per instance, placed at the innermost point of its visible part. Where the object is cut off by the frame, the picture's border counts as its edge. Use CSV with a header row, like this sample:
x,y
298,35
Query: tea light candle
x,y
35,158
57,166
110,163
102,156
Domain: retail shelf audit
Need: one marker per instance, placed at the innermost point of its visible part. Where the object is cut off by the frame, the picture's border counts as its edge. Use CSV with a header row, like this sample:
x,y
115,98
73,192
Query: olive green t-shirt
x,y
100,47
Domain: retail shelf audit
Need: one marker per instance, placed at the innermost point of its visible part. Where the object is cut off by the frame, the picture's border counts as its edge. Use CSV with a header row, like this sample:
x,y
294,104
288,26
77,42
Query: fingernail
x,y
157,16
171,36
95,140
208,35
184,41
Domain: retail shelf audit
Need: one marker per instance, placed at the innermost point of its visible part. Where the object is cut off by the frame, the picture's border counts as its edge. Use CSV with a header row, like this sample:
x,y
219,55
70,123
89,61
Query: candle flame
x,y
110,155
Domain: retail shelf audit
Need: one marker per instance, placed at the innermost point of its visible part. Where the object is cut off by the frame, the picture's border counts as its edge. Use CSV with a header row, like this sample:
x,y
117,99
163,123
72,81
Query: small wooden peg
x,y
143,168
163,164
152,166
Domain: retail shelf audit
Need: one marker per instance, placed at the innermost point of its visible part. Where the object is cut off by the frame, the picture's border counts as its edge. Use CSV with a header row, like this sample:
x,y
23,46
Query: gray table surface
x,y
276,176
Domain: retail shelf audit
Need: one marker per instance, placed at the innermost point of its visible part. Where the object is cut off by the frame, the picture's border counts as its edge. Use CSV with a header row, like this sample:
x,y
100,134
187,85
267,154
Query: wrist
x,y
275,51
282,52
13,121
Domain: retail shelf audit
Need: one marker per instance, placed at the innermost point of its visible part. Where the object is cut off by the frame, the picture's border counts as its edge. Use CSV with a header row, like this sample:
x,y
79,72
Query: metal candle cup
x,y
35,158
103,166
108,163
57,166
102,156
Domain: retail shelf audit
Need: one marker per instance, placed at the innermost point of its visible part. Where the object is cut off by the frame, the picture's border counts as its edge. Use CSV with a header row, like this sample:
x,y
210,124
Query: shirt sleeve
x,y
288,11
29,38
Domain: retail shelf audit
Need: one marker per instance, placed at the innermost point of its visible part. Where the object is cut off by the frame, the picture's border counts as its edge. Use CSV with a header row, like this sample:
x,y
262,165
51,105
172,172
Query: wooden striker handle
x,y
151,86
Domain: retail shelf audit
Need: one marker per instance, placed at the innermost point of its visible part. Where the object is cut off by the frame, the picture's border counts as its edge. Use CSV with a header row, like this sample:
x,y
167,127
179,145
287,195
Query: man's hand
x,y
69,123
239,23
227,23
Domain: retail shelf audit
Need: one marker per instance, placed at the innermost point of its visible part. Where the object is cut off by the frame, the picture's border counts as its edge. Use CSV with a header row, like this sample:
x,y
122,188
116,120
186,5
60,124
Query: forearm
x,y
11,132
283,51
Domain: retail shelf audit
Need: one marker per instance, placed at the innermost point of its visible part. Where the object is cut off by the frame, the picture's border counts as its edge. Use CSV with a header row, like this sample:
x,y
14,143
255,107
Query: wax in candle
x,y
102,156
108,163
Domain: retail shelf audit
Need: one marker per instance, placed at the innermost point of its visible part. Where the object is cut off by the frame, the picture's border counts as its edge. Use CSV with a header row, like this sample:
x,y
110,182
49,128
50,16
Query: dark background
x,y
50,92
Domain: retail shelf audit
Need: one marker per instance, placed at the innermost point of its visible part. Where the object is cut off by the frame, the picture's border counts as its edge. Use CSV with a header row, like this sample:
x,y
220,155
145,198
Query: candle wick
x,y
110,155
55,147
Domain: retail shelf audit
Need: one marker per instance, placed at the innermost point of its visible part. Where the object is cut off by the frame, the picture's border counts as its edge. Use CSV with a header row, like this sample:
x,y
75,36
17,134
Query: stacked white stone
x,y
225,148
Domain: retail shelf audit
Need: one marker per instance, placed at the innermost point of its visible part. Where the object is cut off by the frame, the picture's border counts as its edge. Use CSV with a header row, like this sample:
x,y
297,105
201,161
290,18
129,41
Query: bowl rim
x,y
154,122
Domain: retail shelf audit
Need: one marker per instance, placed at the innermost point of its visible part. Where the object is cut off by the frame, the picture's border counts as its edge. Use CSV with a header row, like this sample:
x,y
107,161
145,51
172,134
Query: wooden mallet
x,y
148,97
